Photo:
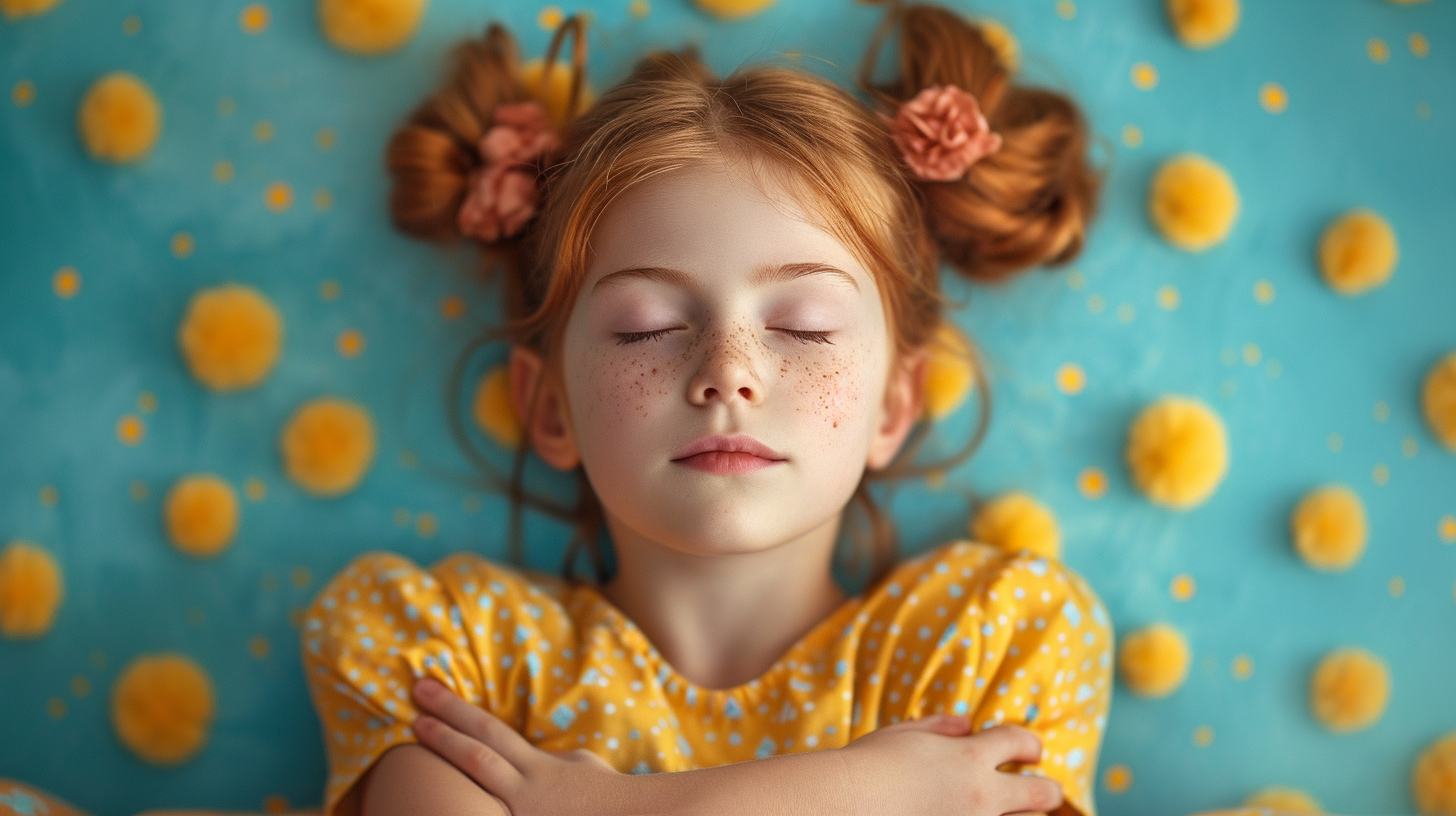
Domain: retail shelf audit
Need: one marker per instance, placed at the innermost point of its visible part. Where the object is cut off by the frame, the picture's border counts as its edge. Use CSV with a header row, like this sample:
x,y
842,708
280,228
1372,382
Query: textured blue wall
x,y
1285,374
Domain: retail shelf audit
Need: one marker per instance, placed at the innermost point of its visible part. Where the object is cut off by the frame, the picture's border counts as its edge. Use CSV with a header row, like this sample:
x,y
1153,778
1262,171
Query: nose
x,y
729,370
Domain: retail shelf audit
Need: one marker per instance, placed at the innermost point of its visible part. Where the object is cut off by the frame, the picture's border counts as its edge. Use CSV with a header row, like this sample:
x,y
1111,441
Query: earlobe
x,y
904,403
548,428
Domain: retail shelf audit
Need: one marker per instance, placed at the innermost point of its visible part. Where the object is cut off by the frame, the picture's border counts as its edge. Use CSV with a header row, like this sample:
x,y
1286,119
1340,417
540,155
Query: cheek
x,y
830,386
620,387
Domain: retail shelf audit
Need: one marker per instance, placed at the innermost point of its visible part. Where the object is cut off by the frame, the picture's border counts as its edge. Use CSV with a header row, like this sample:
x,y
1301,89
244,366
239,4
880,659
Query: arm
x,y
411,778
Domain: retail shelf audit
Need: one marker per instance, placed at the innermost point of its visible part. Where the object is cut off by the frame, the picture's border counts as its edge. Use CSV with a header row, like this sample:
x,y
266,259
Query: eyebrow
x,y
766,273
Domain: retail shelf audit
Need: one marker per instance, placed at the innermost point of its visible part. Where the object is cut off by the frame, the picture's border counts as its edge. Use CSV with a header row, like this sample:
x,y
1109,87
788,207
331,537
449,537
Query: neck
x,y
723,620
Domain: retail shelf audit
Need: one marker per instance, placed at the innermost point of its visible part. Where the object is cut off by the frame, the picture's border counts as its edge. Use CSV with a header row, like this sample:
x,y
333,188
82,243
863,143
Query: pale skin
x,y
722,572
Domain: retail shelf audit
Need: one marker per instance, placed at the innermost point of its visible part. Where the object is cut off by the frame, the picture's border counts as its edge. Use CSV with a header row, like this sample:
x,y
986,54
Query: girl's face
x,y
713,304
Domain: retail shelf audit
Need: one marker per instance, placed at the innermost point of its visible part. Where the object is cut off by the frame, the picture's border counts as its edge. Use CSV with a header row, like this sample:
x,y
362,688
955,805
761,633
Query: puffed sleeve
x,y
382,623
1007,638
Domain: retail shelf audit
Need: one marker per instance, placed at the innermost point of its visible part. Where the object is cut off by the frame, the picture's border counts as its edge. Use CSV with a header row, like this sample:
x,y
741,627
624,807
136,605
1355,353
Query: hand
x,y
930,766
526,780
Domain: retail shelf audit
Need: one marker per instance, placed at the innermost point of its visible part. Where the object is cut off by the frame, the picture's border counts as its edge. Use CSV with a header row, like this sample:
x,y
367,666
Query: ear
x,y
548,428
904,404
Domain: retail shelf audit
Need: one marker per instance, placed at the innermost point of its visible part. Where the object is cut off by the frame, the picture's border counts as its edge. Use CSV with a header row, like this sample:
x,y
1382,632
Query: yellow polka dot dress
x,y
1005,637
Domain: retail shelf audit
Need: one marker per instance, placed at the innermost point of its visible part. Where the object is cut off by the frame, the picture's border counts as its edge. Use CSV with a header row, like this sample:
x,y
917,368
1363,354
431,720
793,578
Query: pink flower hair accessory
x,y
503,191
941,132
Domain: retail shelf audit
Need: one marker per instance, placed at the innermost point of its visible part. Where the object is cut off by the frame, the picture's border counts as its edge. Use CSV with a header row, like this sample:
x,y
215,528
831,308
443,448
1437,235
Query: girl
x,y
719,319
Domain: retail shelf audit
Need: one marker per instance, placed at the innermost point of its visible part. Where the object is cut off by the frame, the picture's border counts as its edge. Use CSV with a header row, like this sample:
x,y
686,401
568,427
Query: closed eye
x,y
634,337
626,338
809,336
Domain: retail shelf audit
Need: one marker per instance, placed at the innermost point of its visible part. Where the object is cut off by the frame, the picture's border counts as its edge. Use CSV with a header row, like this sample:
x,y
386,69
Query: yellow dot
x,y
1419,45
1126,313
1075,279
1264,292
258,647
330,290
1118,779
255,489
471,503
1071,379
1177,451
1153,661
226,106
1381,474
97,660
1381,411
1096,303
1447,529
452,307
130,429
1092,482
323,199
1396,586
351,343
301,577
49,495
639,8
278,196
328,445
1273,97
401,517
254,18
1243,667
269,582
80,686
230,337
66,282
223,171
1228,356
1132,136
1168,297
162,707
1183,587
138,490
275,803
56,707
1377,49
1423,110
1273,368
201,515
326,139
1144,76
1349,689
147,402
23,93
935,479
1252,355
196,616
549,18
1409,447
1203,736
264,131
426,525
131,26
182,244
1066,9
1193,202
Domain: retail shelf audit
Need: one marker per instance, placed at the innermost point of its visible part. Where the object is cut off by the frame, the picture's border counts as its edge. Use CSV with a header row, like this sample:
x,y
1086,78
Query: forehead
x,y
715,221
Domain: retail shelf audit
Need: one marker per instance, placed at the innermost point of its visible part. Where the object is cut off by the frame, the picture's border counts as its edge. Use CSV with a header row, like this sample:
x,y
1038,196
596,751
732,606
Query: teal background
x,y
71,368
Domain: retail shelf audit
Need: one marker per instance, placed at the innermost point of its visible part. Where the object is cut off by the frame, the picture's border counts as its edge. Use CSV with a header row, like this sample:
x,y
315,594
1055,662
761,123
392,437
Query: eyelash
x,y
802,336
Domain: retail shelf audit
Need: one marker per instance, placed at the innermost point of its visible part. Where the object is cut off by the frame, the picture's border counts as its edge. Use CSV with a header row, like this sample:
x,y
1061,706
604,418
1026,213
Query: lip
x,y
737,443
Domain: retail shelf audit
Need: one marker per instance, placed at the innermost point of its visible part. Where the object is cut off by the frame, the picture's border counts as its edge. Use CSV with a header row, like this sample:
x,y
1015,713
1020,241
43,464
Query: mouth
x,y
728,455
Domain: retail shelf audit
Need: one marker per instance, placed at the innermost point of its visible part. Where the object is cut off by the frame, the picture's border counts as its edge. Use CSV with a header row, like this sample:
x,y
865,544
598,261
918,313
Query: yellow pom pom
x,y
1358,252
733,9
1193,202
230,337
370,27
1433,780
1203,23
202,515
1178,452
1284,800
1438,400
328,446
15,9
1329,528
950,371
1349,690
493,410
557,91
31,590
119,119
1154,661
1016,521
162,708
1003,42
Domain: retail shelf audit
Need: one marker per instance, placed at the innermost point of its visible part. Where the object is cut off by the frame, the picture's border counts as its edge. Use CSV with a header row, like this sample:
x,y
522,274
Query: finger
x,y
437,699
1028,793
1012,743
949,724
474,758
